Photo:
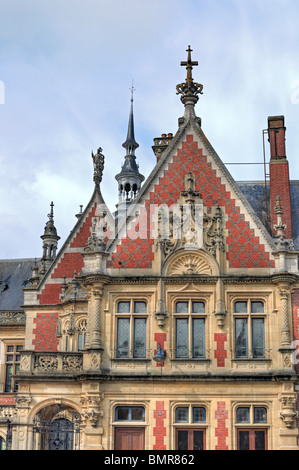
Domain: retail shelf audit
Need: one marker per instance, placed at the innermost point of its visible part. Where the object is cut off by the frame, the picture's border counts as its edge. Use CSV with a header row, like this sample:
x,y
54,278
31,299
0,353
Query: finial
x,y
132,91
98,164
190,89
51,215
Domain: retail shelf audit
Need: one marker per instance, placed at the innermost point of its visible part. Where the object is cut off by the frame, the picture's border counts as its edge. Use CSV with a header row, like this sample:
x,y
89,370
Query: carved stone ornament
x,y
23,401
288,413
189,264
189,89
98,164
187,225
161,312
46,362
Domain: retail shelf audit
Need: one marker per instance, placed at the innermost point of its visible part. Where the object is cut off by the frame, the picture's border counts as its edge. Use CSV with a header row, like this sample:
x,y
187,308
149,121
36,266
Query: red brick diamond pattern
x,y
244,249
45,327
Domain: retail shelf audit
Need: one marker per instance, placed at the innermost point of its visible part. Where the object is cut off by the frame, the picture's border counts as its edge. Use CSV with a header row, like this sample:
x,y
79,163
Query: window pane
x,y
181,415
9,358
182,342
9,348
240,307
257,307
182,440
198,334
198,307
241,337
123,307
80,342
181,307
123,337
139,337
260,415
2,444
8,378
258,337
244,440
260,441
242,415
19,348
140,307
122,414
197,440
199,415
137,414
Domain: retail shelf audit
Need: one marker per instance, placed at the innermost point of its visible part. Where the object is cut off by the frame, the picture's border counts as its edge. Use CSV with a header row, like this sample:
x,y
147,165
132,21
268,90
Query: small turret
x,y
129,179
50,241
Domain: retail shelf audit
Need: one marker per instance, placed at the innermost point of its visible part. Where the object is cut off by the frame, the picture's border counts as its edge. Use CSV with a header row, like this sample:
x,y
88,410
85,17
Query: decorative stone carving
x,y
189,264
46,362
161,312
72,363
288,413
98,163
7,318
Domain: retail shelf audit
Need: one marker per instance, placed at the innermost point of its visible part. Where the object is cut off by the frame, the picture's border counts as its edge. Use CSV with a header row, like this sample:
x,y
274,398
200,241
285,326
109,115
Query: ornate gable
x,y
247,244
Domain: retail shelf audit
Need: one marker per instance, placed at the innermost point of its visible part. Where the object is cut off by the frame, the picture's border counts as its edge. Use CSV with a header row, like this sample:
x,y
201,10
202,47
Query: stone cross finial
x,y
190,89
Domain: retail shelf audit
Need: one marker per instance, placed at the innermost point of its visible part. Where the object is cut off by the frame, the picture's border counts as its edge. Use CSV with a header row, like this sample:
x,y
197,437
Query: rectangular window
x,y
258,337
190,439
198,332
255,336
129,413
123,337
190,330
252,439
182,337
12,359
131,338
139,337
241,337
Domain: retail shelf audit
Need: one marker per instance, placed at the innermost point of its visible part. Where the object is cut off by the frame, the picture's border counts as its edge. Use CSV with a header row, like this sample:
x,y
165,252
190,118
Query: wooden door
x,y
129,439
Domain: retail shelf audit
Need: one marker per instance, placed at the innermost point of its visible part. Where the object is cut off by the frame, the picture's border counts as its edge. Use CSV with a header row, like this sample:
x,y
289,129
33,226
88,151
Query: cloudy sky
x,y
66,67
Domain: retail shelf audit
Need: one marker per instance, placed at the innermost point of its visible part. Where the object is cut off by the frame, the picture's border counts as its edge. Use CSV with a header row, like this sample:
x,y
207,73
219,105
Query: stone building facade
x,y
171,324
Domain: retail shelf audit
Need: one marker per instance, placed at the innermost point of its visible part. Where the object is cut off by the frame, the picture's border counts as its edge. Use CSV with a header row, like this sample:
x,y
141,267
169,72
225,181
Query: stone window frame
x,y
251,424
250,297
204,426
131,297
190,297
16,364
113,423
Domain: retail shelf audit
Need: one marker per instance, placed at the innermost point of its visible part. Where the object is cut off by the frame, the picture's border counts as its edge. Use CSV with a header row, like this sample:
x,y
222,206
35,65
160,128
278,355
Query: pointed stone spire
x,y
130,144
129,179
50,240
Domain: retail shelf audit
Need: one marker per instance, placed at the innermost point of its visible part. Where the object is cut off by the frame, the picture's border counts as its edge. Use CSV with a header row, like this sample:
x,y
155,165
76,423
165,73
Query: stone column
x,y
95,333
285,328
284,282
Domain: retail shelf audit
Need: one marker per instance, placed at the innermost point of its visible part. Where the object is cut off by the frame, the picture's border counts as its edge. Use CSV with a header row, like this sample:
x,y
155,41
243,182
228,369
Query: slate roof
x,y
255,193
14,275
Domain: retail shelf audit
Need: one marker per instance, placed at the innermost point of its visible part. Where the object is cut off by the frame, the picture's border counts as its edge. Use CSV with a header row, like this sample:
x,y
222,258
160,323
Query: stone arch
x,y
191,262
56,425
51,402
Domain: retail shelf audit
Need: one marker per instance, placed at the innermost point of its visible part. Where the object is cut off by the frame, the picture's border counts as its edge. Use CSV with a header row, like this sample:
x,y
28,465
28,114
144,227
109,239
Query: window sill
x,y
191,359
251,359
130,359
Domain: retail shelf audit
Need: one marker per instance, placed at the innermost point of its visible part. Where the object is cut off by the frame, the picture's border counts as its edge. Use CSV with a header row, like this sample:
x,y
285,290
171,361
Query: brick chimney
x,y
279,173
